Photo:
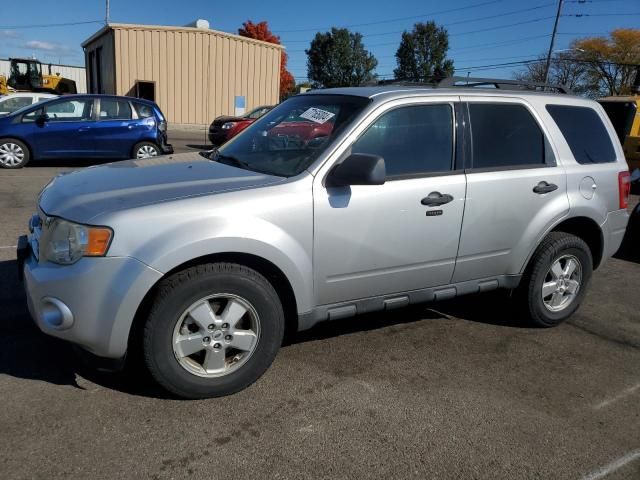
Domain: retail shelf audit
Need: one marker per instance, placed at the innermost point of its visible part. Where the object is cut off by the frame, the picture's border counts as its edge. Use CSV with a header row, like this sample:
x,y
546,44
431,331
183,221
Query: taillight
x,y
624,188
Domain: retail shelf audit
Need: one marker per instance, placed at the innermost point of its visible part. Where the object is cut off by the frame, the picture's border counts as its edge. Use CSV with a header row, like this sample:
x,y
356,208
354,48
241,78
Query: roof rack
x,y
502,84
468,82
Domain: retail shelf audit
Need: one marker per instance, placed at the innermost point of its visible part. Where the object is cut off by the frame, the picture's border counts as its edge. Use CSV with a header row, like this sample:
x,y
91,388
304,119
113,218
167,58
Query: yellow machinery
x,y
26,76
624,113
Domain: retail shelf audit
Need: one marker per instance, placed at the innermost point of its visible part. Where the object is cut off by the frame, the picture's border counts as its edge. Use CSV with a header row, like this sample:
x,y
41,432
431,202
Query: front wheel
x,y
556,280
13,153
145,150
213,330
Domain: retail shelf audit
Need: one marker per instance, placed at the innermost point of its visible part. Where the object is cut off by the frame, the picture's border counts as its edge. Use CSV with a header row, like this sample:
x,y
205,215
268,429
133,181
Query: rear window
x,y
585,133
143,110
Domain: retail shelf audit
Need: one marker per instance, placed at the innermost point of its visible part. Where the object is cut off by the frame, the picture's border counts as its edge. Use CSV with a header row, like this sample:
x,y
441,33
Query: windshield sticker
x,y
317,115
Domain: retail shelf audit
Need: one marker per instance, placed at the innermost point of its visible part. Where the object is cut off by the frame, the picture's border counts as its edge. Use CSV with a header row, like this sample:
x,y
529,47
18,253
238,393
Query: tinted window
x,y
584,132
112,109
412,140
70,110
505,135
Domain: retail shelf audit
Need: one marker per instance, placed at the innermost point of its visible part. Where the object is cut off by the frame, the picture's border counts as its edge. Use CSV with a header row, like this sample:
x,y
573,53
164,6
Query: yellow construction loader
x,y
26,76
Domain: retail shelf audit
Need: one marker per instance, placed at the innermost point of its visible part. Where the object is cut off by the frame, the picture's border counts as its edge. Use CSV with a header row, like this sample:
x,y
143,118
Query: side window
x,y
70,110
412,140
32,116
505,135
585,133
113,109
143,111
12,104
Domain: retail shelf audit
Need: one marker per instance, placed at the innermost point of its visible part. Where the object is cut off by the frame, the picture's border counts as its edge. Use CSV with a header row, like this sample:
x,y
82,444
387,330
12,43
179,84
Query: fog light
x,y
55,313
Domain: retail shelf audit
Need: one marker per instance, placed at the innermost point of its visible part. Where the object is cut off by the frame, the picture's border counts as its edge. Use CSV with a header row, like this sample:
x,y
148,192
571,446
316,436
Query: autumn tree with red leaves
x,y
260,31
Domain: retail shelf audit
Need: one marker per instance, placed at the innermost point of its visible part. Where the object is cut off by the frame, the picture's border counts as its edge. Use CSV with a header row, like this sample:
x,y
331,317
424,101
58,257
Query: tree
x,y
612,62
260,31
421,56
338,59
563,70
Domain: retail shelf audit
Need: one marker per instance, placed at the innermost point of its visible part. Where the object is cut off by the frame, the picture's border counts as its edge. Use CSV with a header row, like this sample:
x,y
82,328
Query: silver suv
x,y
335,203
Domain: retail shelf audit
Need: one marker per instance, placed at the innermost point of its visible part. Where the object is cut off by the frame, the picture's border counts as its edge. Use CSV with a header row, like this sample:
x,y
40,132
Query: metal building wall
x,y
77,74
197,72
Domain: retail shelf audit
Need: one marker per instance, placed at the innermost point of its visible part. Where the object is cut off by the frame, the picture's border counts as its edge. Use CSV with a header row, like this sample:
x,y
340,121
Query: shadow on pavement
x,y
200,147
27,353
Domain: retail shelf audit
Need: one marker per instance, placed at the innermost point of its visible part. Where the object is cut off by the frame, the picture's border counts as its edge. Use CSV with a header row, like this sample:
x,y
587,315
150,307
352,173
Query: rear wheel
x,y
13,153
214,329
145,150
556,280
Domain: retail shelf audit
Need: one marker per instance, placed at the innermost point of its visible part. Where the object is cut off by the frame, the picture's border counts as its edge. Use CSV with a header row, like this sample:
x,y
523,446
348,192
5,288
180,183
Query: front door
x,y
515,189
68,130
376,240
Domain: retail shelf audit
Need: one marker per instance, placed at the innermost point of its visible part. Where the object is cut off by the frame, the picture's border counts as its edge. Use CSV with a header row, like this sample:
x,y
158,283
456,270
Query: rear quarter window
x,y
585,133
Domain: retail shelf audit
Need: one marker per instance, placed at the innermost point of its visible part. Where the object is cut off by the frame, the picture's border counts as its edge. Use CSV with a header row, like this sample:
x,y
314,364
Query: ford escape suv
x,y
407,195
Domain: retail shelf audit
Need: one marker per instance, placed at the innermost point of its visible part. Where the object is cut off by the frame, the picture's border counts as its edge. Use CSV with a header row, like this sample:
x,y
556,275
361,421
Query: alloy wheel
x,y
216,335
562,283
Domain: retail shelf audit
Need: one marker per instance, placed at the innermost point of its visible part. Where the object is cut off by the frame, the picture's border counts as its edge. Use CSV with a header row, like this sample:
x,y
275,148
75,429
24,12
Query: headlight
x,y
68,242
228,125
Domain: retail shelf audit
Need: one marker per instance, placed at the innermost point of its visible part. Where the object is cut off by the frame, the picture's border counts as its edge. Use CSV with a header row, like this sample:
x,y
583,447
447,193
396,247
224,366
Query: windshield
x,y
290,137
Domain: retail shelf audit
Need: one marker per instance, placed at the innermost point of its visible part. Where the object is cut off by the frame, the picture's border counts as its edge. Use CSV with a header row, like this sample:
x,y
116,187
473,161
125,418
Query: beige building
x,y
193,74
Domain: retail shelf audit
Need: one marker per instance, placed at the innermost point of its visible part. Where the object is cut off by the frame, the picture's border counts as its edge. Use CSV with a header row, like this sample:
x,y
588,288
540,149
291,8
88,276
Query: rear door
x,y
116,130
515,188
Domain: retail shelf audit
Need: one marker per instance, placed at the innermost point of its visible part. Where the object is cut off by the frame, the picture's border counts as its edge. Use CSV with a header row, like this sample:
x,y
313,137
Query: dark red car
x,y
226,127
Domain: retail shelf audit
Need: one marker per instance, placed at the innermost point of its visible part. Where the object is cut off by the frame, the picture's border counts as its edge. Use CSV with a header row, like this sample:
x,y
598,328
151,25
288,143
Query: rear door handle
x,y
435,199
545,187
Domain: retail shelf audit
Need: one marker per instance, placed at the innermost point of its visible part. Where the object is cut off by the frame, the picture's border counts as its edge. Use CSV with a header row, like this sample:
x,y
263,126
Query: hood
x,y
84,194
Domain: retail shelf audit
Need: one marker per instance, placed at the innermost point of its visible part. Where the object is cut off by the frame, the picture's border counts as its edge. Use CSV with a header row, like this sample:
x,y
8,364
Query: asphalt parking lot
x,y
451,390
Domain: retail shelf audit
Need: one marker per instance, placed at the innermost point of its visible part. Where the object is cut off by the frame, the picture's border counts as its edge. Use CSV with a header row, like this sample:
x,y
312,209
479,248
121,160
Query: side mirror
x,y
358,169
42,119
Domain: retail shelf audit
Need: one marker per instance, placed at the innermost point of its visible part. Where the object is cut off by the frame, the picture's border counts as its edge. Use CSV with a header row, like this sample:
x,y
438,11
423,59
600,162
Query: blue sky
x,y
482,32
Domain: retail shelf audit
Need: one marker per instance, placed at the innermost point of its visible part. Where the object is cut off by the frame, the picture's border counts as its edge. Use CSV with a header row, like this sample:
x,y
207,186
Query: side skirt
x,y
337,311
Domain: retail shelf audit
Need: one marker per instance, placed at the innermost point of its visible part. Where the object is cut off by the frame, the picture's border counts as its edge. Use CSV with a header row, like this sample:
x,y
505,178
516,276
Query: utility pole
x,y
553,39
106,14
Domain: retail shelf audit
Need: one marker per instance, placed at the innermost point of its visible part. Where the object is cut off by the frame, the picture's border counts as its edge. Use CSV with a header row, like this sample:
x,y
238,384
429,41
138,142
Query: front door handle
x,y
435,199
544,187
84,129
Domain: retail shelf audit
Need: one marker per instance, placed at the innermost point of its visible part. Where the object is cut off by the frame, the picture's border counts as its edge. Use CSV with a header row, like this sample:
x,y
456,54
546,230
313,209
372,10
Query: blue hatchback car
x,y
83,126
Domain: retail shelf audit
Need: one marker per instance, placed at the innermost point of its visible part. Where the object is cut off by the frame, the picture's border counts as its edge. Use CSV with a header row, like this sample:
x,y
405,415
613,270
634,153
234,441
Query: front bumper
x,y
218,136
91,303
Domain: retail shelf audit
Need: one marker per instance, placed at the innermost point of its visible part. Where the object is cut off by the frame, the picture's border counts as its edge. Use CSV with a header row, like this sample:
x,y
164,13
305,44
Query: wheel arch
x,y
583,227
265,267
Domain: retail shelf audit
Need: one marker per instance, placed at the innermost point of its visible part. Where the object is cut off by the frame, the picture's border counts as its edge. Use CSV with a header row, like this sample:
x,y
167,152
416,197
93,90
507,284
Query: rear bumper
x,y
91,303
614,229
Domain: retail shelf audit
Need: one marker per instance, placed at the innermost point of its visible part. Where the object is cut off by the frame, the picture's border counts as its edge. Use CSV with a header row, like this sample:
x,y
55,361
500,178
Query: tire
x,y
145,150
555,307
13,153
226,289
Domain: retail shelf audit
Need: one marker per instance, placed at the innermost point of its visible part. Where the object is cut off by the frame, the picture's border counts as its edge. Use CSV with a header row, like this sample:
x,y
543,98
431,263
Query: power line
x,y
398,19
459,22
48,25
499,27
